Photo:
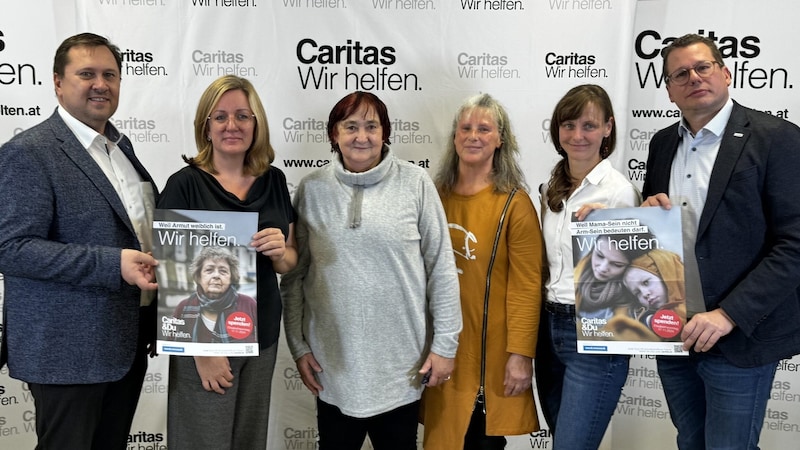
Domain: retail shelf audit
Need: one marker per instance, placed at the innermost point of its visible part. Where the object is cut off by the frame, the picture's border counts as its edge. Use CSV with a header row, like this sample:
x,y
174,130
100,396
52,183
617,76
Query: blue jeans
x,y
714,404
578,392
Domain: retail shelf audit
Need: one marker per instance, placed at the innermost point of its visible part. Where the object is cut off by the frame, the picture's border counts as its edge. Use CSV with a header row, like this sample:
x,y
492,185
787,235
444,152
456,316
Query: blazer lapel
x,y
660,168
124,144
81,158
668,158
730,149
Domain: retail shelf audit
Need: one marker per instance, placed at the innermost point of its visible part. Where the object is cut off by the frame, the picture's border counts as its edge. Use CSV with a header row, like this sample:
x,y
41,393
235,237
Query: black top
x,y
193,188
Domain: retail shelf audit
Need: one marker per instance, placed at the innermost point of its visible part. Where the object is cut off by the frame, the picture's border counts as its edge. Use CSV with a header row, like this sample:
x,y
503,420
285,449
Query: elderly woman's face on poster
x,y
215,277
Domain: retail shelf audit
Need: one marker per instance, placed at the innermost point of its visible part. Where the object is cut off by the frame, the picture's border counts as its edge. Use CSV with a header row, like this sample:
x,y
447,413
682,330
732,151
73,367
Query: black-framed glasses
x,y
240,118
703,69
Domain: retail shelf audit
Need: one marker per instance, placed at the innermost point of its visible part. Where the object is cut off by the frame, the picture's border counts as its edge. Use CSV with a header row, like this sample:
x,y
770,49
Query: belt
x,y
560,309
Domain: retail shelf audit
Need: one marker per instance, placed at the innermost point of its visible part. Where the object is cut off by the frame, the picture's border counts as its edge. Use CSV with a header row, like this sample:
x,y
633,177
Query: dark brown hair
x,y
82,40
570,107
348,105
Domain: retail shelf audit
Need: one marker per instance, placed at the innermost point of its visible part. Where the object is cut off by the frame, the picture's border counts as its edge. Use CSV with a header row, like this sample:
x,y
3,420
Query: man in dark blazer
x,y
735,174
75,214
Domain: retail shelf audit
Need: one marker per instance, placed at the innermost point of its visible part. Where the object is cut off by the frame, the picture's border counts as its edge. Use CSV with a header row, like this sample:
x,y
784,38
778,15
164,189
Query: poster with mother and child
x,y
629,281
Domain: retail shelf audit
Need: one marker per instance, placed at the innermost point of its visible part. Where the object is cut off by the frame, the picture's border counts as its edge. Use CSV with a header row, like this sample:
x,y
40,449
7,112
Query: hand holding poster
x,y
629,281
206,275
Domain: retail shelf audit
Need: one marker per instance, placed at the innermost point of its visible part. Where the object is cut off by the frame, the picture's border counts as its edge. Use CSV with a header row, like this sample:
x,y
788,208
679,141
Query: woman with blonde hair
x,y
220,402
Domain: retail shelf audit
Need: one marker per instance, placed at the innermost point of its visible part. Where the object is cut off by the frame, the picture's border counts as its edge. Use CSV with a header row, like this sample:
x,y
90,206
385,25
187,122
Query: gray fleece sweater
x,y
375,288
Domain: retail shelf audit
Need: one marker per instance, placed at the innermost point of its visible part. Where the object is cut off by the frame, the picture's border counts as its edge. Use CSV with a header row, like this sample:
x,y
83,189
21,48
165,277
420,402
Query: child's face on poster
x,y
647,287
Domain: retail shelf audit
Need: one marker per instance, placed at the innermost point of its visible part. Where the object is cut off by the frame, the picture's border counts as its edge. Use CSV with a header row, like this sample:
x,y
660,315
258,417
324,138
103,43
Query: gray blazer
x,y
69,316
748,239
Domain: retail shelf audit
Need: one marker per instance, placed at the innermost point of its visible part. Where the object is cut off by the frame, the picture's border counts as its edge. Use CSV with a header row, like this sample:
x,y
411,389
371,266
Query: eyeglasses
x,y
239,118
703,69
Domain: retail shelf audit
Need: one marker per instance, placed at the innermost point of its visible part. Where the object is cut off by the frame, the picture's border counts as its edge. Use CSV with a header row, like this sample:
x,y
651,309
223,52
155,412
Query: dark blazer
x,y
70,317
748,239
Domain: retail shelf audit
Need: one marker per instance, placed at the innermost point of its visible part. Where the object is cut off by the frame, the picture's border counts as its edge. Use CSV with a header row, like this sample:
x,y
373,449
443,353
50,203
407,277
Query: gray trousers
x,y
238,420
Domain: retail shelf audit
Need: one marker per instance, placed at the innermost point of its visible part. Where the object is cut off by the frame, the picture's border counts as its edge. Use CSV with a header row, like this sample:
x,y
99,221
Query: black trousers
x,y
392,430
88,416
476,438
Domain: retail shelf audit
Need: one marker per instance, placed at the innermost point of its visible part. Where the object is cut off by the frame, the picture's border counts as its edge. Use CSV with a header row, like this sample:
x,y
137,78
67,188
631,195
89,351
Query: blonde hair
x,y
260,154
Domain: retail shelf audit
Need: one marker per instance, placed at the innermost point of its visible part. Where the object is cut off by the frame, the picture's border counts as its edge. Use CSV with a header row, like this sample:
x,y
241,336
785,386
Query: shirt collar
x,y
715,126
596,175
85,134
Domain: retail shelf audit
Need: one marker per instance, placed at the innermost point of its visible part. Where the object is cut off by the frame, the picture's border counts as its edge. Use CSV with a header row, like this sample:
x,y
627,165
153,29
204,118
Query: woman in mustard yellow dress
x,y
489,395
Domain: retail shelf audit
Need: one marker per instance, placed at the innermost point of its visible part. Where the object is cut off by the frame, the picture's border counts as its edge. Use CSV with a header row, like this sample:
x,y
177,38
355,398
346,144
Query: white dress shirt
x,y
135,193
603,184
688,188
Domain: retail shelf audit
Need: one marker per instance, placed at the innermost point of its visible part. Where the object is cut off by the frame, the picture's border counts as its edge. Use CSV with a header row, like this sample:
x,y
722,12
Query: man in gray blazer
x,y
75,220
734,172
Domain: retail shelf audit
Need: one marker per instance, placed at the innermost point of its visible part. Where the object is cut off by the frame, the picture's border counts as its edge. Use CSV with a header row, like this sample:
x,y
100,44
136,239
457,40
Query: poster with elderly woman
x,y
629,281
207,282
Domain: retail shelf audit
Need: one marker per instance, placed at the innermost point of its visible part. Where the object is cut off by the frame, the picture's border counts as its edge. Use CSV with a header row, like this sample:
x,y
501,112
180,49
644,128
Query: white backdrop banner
x,y
423,58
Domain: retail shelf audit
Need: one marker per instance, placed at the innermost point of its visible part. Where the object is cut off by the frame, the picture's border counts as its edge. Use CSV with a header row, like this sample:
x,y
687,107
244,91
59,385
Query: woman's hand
x,y
519,373
661,199
215,373
308,366
584,210
270,242
282,251
440,369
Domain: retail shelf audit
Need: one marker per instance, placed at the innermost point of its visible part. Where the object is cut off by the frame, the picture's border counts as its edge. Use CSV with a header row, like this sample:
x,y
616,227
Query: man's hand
x,y
704,330
138,269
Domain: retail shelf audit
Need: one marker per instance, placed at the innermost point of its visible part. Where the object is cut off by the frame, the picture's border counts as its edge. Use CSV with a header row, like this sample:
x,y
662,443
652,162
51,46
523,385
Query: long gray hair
x,y
506,173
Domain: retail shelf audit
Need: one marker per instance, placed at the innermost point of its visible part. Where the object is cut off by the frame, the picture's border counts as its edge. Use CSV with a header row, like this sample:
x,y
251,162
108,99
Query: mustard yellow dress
x,y
513,319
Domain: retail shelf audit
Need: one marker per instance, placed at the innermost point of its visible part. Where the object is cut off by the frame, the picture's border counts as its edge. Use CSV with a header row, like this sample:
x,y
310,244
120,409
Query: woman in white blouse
x,y
578,392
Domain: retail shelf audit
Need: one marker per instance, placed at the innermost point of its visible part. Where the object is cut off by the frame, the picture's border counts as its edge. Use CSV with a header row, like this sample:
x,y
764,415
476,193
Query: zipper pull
x,y
481,400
